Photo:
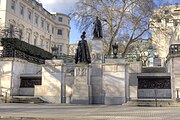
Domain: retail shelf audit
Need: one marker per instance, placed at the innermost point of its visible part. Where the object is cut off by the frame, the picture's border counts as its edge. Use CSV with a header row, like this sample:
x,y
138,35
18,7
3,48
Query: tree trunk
x,y
110,46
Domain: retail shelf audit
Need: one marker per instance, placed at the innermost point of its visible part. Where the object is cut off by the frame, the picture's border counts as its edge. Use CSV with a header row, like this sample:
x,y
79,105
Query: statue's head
x,y
83,35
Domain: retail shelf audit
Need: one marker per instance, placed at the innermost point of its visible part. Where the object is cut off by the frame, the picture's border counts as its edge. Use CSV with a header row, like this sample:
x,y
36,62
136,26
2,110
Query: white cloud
x,y
58,5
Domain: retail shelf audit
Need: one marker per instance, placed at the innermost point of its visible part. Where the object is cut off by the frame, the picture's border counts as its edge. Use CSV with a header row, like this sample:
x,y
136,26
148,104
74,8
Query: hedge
x,y
16,44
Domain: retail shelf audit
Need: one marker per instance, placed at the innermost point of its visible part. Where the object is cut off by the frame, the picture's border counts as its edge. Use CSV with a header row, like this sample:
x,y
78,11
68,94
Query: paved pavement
x,y
85,112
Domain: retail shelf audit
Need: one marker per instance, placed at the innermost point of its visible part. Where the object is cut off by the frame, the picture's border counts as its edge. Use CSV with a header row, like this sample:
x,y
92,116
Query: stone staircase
x,y
152,103
27,99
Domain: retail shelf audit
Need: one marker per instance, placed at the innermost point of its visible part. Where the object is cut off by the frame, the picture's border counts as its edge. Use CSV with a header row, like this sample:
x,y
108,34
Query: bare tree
x,y
123,20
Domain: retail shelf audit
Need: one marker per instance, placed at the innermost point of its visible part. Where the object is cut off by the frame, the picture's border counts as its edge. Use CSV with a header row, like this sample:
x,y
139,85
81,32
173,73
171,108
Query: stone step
x,y
26,99
152,103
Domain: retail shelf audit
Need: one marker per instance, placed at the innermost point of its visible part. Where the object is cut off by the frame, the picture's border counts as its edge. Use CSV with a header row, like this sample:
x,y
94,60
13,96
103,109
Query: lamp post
x,y
54,51
177,90
115,50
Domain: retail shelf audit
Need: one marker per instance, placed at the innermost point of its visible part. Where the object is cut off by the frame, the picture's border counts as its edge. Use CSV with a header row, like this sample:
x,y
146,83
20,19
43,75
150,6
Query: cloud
x,y
58,5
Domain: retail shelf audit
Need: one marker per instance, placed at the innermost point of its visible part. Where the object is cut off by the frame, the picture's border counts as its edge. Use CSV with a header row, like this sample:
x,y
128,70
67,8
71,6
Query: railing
x,y
128,57
6,91
21,55
66,58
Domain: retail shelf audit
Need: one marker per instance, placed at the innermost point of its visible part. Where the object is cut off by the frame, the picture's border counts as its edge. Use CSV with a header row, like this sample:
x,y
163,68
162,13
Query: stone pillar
x,y
81,90
173,65
115,81
96,76
53,88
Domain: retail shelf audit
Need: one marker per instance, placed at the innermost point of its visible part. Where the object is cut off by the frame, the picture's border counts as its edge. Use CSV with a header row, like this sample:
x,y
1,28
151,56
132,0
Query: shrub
x,y
16,44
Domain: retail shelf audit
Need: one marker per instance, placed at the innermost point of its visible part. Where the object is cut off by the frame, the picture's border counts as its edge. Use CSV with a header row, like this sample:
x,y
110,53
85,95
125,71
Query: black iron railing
x,y
21,55
128,57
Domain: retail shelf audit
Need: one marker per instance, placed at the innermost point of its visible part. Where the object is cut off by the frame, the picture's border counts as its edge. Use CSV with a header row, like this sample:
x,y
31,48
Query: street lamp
x,y
54,51
177,90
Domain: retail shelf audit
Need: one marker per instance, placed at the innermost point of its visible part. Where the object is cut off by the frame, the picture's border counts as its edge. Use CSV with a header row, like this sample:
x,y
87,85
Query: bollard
x,y
6,97
155,91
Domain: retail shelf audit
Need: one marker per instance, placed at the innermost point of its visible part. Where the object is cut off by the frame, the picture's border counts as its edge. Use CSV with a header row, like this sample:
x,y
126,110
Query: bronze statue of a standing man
x,y
97,28
82,52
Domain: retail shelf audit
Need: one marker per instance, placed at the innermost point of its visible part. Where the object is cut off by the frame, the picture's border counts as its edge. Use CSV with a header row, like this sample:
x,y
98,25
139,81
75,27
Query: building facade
x,y
165,27
30,22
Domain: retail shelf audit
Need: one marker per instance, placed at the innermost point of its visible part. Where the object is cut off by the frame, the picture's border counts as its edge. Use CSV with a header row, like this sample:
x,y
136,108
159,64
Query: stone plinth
x,y
82,91
173,65
53,83
115,82
96,76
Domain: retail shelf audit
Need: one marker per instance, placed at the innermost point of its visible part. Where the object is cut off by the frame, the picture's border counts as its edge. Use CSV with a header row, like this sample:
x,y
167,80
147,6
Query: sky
x,y
63,6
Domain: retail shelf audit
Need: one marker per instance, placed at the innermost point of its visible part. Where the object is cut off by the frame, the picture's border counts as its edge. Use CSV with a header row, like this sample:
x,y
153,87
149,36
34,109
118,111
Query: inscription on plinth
x,y
82,87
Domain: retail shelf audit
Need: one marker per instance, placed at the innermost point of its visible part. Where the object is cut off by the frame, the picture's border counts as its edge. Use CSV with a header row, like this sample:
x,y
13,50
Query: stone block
x,y
115,61
97,57
133,92
135,67
150,93
113,68
114,83
81,90
97,46
54,62
81,94
114,100
133,80
96,70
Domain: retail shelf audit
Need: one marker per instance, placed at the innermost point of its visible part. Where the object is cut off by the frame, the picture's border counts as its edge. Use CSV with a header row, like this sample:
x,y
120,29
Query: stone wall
x,y
134,69
10,71
173,65
115,82
53,86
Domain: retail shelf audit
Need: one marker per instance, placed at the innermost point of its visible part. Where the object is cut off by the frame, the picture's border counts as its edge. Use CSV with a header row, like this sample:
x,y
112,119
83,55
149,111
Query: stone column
x,y
173,65
82,91
96,76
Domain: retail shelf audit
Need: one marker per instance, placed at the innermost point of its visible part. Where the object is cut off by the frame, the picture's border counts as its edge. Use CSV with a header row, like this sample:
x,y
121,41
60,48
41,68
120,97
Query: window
x,y
59,32
29,14
11,27
166,11
167,20
68,34
52,30
22,10
36,19
35,40
48,27
159,20
41,43
13,5
47,44
28,37
60,19
20,34
42,22
59,48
